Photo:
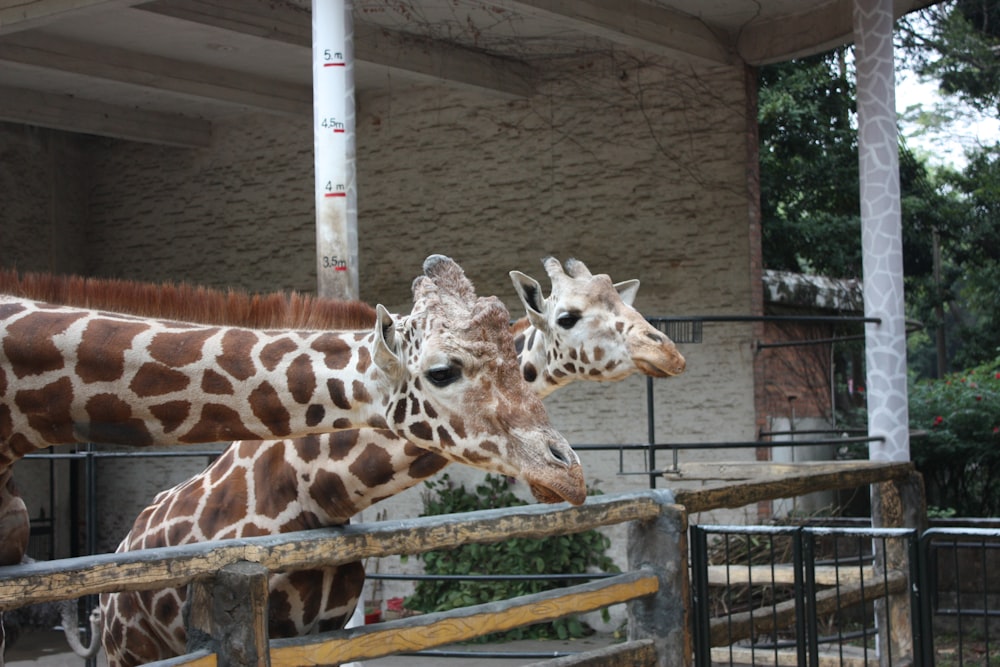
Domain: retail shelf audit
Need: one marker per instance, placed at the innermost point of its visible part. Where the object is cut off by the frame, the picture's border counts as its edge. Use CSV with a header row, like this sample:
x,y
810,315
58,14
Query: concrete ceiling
x,y
164,71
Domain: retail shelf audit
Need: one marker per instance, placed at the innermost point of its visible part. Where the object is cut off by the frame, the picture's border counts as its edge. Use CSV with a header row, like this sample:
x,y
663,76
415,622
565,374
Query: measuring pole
x,y
334,149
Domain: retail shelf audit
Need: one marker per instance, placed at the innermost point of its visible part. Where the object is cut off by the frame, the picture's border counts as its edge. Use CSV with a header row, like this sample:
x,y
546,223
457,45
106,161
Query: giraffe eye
x,y
568,320
442,376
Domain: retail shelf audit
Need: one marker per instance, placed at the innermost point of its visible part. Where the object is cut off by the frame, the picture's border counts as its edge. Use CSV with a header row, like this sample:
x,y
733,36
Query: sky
x,y
945,147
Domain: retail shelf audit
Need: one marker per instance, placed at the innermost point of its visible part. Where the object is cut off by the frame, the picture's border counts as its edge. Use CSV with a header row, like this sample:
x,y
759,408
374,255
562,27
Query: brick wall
x,y
634,166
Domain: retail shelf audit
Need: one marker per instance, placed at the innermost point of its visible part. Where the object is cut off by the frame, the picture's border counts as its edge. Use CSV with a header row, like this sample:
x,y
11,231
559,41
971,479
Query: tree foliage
x,y
810,213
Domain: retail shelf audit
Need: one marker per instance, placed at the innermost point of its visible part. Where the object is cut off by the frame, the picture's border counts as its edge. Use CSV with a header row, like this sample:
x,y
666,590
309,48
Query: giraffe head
x,y
591,329
457,387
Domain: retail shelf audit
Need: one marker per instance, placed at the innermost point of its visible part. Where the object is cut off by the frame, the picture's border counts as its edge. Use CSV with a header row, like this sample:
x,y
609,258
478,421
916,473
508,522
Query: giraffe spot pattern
x,y
301,378
426,465
47,410
490,446
360,392
171,414
457,426
180,348
307,448
373,466
275,481
378,422
6,423
445,437
215,425
530,372
237,345
421,430
399,414
111,421
337,353
213,382
155,379
178,531
341,444
228,460
267,406
315,414
225,505
364,360
330,494
166,609
101,353
272,353
337,393
28,343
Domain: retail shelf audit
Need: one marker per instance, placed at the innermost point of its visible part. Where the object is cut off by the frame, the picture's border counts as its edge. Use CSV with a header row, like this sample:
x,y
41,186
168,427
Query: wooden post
x,y
659,546
228,615
898,503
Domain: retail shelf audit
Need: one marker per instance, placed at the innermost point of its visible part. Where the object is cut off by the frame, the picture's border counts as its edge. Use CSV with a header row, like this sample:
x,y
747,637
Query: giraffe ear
x,y
626,290
531,296
386,354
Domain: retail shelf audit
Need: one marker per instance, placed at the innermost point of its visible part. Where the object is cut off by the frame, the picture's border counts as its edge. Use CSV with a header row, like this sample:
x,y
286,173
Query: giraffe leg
x,y
14,523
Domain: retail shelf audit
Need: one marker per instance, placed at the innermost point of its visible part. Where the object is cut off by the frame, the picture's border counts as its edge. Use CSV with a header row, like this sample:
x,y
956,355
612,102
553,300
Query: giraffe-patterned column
x,y
881,231
882,249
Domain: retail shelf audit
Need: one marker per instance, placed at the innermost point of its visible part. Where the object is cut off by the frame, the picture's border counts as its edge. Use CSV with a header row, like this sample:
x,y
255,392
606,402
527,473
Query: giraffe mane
x,y
190,303
517,326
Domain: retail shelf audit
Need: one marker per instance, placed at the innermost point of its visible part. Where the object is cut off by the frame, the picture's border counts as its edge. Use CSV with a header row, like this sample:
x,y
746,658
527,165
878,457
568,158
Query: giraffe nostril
x,y
559,455
655,336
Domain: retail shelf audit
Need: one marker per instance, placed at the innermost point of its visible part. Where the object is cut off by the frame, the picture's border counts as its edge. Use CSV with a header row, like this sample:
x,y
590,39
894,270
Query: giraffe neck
x,y
69,375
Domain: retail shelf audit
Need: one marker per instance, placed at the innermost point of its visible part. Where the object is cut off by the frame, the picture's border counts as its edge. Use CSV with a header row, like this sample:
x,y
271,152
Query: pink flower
x,y
394,604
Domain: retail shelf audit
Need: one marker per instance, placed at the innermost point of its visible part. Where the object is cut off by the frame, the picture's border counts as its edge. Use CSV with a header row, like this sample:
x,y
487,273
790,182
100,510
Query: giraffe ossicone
x,y
586,329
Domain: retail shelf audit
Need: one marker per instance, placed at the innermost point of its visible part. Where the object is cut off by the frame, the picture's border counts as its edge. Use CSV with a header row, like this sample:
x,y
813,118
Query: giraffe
x,y
445,377
585,330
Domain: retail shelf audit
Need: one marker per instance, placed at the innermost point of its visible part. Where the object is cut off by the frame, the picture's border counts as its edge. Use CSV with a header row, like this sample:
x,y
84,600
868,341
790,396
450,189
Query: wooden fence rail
x,y
655,586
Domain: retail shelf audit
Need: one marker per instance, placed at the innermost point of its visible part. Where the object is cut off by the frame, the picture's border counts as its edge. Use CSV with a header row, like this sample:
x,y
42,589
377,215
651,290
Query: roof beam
x,y
425,58
158,73
635,24
18,15
64,112
796,35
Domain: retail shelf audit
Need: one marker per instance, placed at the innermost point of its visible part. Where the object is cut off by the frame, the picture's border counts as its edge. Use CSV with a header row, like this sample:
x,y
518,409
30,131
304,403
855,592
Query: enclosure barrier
x,y
654,587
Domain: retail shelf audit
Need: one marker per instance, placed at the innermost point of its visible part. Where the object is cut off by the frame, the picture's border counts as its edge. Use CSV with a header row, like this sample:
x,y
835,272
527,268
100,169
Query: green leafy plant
x,y
957,448
562,554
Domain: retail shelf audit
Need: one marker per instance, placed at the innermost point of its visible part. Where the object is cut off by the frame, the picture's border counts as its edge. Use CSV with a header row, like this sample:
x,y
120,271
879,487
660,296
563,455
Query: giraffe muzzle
x,y
659,361
559,478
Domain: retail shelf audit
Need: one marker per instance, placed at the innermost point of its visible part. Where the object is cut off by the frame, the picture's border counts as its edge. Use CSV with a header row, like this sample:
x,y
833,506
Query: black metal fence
x,y
810,595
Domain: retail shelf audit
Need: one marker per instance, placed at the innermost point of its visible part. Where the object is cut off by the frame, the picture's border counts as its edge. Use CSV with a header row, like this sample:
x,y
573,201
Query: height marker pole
x,y
334,149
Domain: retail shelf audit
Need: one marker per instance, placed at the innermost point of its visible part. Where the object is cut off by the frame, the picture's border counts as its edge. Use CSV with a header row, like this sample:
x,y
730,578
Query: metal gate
x,y
808,595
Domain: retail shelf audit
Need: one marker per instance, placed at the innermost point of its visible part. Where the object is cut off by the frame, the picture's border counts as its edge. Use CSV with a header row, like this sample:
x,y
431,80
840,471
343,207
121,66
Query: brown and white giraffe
x,y
445,377
585,330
